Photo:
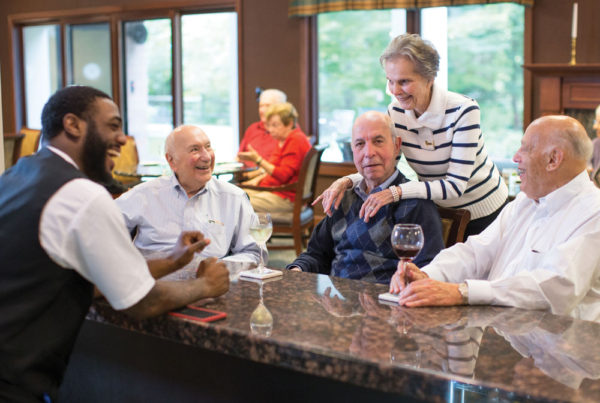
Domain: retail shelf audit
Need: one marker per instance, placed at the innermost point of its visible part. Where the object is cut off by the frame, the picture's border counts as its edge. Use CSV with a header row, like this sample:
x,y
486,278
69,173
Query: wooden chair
x,y
31,141
454,224
127,163
300,222
12,148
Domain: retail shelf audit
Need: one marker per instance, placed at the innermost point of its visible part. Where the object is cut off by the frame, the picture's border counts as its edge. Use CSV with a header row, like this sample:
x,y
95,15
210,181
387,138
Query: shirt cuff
x,y
292,265
480,292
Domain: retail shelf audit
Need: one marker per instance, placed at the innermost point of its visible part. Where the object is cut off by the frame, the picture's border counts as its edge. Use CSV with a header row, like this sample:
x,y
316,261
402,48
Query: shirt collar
x,y
178,188
556,199
62,154
433,117
360,188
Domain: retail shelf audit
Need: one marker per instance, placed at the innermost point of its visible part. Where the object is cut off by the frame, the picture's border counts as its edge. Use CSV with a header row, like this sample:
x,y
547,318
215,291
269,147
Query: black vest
x,y
42,305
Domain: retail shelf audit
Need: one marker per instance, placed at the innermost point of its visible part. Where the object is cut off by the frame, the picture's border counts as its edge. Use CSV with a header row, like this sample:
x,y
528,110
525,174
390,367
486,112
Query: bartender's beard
x,y
95,155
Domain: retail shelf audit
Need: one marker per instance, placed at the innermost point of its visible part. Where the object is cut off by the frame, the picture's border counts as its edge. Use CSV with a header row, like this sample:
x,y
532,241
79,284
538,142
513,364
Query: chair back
x,y
127,162
31,141
454,224
307,177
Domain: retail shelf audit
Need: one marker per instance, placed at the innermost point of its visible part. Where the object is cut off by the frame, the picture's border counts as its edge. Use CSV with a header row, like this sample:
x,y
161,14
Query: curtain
x,y
303,8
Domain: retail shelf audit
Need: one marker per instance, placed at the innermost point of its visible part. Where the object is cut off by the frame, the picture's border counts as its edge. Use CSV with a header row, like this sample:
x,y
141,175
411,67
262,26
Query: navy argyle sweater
x,y
345,246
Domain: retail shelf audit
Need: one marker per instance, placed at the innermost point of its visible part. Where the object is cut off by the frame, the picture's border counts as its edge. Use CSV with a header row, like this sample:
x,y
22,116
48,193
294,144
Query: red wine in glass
x,y
407,252
407,241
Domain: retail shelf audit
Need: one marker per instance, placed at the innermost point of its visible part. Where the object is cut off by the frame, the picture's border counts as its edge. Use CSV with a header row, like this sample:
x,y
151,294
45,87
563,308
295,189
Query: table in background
x,y
347,348
146,172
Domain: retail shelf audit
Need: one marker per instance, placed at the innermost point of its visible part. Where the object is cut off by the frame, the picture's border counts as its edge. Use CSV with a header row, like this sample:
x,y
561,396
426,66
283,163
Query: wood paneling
x,y
562,86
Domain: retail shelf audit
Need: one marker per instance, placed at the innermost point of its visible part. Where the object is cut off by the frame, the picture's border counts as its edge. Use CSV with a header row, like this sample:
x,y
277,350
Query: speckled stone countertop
x,y
335,328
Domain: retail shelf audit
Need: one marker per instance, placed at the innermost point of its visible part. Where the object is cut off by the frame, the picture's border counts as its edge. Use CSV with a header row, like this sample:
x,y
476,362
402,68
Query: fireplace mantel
x,y
558,87
563,69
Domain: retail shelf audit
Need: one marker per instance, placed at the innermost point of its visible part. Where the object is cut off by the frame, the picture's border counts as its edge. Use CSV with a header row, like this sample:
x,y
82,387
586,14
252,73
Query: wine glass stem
x,y
261,267
404,261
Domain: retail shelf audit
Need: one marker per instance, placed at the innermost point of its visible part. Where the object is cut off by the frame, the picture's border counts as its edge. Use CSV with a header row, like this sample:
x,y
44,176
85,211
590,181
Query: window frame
x,y
413,25
116,18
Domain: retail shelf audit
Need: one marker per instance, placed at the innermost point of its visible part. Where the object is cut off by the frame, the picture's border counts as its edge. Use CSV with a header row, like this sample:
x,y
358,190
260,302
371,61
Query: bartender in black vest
x,y
61,234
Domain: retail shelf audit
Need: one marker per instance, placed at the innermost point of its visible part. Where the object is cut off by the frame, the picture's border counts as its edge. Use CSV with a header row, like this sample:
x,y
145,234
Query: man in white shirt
x,y
542,252
191,198
62,234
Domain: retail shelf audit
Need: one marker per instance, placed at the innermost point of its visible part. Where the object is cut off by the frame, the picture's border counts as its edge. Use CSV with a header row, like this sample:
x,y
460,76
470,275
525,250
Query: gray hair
x,y
278,94
421,52
374,116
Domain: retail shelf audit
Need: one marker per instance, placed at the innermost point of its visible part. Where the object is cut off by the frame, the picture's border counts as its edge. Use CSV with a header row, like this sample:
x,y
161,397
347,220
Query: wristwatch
x,y
463,288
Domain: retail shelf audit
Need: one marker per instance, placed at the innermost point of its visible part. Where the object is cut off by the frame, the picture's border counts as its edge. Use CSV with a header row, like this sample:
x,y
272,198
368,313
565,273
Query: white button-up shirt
x,y
161,210
535,255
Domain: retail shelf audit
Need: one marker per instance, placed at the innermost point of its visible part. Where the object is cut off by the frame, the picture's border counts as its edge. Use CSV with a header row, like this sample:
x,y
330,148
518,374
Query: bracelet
x,y
395,194
259,161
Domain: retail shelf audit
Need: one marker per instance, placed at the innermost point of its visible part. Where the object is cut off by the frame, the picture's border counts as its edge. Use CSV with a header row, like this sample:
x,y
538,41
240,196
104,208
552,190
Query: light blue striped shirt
x,y
161,209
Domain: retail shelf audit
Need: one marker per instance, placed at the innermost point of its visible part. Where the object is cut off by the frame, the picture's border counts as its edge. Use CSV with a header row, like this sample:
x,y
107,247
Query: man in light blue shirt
x,y
191,198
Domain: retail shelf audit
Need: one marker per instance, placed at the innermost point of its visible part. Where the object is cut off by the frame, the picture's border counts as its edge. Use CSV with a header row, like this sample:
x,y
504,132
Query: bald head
x,y
191,157
553,151
178,135
565,133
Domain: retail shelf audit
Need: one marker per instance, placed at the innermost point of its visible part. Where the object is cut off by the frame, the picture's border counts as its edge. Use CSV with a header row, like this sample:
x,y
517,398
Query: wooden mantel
x,y
558,87
563,69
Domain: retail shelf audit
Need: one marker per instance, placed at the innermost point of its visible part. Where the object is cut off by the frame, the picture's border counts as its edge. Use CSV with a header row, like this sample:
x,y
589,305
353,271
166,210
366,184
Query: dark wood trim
x,y
176,69
240,64
116,50
413,21
42,17
18,74
563,68
527,76
309,72
63,65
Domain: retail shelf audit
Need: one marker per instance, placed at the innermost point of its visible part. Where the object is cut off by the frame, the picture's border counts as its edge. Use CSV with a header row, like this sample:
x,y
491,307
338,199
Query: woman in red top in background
x,y
283,166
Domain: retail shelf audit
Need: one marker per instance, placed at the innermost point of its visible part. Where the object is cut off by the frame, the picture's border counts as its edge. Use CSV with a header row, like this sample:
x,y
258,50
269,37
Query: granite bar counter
x,y
331,340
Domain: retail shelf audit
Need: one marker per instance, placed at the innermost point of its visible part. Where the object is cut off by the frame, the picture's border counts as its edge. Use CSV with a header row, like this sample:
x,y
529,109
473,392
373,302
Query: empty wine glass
x,y
407,241
261,231
261,320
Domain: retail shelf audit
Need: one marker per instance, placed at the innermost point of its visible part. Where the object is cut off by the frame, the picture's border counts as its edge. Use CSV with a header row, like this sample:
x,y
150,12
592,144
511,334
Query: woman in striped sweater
x,y
441,139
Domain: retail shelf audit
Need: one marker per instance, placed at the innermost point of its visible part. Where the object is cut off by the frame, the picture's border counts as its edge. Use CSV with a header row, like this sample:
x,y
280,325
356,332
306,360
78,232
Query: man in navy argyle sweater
x,y
346,244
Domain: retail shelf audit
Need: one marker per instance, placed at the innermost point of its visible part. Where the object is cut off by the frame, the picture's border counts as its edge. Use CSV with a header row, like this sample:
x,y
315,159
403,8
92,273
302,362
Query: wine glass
x,y
261,320
261,231
407,241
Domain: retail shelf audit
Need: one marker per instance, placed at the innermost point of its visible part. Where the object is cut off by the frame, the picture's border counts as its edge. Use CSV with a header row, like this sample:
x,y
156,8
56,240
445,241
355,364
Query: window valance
x,y
304,8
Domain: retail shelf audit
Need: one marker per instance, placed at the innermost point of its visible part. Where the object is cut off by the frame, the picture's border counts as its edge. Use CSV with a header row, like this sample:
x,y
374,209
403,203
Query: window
x,y
177,69
481,50
41,58
148,85
350,78
88,47
210,86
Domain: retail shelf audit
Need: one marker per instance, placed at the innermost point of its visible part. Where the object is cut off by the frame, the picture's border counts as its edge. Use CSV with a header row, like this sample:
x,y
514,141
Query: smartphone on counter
x,y
196,313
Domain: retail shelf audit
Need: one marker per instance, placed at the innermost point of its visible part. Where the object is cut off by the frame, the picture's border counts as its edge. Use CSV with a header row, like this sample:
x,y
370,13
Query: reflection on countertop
x,y
336,328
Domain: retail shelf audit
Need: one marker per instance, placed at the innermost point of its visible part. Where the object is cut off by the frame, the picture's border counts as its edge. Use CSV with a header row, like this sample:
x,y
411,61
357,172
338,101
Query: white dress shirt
x,y
82,229
535,255
161,210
